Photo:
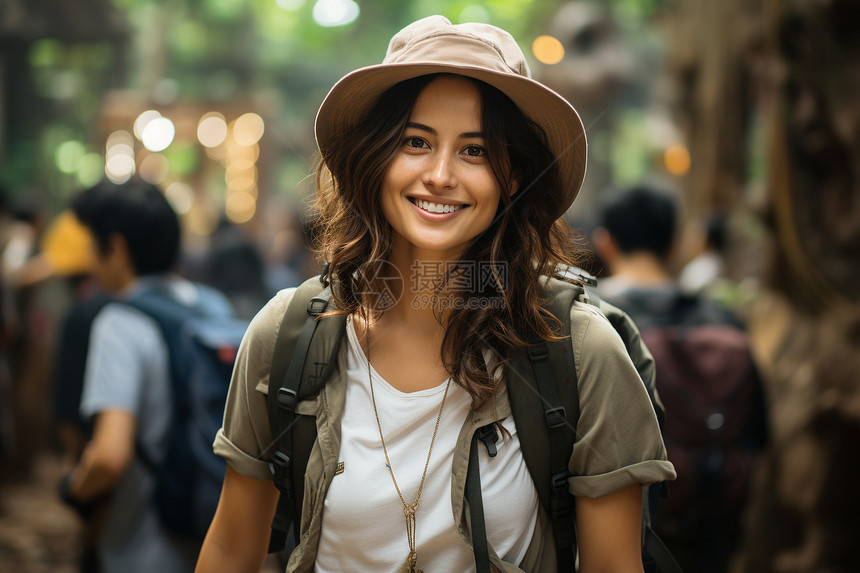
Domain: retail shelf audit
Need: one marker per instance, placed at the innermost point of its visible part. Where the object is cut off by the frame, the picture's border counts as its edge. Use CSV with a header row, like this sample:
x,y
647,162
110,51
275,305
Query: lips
x,y
432,207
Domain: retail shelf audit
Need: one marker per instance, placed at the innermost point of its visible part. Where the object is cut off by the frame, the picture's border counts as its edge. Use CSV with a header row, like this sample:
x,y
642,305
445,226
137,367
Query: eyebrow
x,y
431,131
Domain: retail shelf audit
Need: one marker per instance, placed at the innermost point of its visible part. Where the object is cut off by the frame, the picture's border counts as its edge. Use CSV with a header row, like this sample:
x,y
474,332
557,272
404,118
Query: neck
x,y
418,303
640,267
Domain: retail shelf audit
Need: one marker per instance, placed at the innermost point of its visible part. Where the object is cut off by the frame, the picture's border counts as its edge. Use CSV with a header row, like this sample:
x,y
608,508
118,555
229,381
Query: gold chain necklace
x,y
409,509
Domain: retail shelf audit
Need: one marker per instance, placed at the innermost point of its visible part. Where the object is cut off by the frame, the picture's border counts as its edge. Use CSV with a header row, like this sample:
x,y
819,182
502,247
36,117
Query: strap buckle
x,y
488,435
280,463
317,306
561,500
287,399
281,468
538,351
555,417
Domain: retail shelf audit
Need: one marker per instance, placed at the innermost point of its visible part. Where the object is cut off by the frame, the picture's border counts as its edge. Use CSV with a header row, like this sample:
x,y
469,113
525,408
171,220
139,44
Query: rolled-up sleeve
x,y
246,435
618,437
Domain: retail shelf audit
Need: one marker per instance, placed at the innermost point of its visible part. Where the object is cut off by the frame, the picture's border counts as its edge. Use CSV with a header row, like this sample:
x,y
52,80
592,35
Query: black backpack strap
x,y
586,280
655,546
304,354
169,315
534,380
476,508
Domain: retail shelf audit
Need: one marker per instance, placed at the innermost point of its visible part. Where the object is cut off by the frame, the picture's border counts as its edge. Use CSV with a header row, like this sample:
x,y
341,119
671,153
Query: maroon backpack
x,y
709,385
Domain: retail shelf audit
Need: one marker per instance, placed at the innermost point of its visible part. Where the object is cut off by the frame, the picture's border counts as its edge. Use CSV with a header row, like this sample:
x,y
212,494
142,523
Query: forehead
x,y
448,96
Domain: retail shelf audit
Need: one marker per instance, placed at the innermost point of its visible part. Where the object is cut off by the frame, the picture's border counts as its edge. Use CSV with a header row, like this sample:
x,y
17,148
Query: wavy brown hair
x,y
524,243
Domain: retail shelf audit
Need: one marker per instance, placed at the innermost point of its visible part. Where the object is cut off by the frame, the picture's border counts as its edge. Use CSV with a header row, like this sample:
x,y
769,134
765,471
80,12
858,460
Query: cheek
x,y
490,194
388,193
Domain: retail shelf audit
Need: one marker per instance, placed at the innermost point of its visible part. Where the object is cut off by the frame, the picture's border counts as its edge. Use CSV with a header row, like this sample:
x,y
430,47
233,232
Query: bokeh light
x,y
548,50
677,159
248,129
180,196
212,130
143,120
154,168
240,163
290,4
119,157
331,13
244,181
90,169
119,136
474,13
119,168
68,156
235,151
240,206
158,134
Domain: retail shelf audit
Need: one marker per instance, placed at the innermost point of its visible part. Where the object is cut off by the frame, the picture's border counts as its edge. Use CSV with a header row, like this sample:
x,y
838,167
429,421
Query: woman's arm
x,y
608,530
239,535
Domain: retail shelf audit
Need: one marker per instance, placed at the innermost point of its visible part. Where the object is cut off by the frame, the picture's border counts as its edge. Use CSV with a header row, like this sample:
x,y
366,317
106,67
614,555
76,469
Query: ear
x,y
119,252
515,183
117,245
605,246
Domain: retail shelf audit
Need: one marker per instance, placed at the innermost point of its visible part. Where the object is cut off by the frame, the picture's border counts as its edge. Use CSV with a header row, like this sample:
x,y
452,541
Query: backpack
x,y
718,423
307,347
202,342
708,380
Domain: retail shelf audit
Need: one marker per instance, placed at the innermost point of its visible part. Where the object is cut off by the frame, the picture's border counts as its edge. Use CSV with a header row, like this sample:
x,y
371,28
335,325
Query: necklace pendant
x,y
412,563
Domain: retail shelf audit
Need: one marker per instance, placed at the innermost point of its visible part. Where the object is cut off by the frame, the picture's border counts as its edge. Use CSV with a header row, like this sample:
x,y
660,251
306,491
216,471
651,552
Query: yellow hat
x,y
67,245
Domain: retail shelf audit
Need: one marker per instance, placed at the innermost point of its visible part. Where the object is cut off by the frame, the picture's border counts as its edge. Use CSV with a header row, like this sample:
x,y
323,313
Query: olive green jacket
x,y
611,452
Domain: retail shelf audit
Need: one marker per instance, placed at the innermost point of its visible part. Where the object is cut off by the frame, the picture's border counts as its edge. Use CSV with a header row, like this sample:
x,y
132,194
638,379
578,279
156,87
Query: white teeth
x,y
437,207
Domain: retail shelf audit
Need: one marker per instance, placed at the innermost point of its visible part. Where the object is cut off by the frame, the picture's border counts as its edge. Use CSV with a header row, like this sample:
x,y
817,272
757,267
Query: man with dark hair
x,y
635,238
715,414
127,391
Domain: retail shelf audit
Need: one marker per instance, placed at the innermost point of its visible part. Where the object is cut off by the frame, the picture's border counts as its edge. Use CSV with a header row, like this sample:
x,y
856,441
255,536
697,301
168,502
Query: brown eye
x,y
475,151
415,143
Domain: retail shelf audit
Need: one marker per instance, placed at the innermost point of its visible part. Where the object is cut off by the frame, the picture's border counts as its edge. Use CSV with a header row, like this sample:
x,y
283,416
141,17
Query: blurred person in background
x,y
8,327
126,393
234,266
31,309
707,266
289,260
67,250
715,412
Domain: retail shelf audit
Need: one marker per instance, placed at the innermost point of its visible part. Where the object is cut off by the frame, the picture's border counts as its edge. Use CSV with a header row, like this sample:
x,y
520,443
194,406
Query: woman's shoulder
x,y
588,323
596,344
263,329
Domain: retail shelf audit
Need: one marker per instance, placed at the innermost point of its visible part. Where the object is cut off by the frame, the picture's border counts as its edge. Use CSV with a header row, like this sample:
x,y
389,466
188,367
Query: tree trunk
x,y
804,514
796,65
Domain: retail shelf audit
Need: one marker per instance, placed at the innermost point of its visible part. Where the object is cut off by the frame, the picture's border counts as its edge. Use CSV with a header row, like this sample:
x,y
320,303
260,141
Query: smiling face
x,y
439,191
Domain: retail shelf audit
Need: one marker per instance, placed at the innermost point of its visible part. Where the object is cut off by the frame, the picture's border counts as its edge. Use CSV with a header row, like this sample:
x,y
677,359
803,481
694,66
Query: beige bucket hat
x,y
434,45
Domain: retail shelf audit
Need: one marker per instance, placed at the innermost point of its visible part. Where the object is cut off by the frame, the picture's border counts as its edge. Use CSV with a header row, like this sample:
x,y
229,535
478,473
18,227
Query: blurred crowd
x,y
45,272
51,296
671,272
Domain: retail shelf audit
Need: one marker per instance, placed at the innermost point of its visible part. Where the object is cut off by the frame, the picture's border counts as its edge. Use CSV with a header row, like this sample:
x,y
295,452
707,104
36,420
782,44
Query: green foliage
x,y
235,50
183,158
632,156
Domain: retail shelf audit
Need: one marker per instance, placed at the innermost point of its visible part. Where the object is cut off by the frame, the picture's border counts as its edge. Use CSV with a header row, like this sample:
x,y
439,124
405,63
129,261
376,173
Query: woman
x,y
444,171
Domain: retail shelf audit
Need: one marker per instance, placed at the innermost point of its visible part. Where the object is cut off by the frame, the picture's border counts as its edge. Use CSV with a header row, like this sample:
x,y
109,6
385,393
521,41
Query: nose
x,y
440,173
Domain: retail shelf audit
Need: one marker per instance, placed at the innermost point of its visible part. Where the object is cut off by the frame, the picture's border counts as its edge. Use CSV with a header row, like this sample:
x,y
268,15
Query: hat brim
x,y
355,94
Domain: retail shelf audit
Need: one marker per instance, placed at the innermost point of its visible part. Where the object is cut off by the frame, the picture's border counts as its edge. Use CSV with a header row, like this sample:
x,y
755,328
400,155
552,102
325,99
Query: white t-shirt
x,y
364,527
127,369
